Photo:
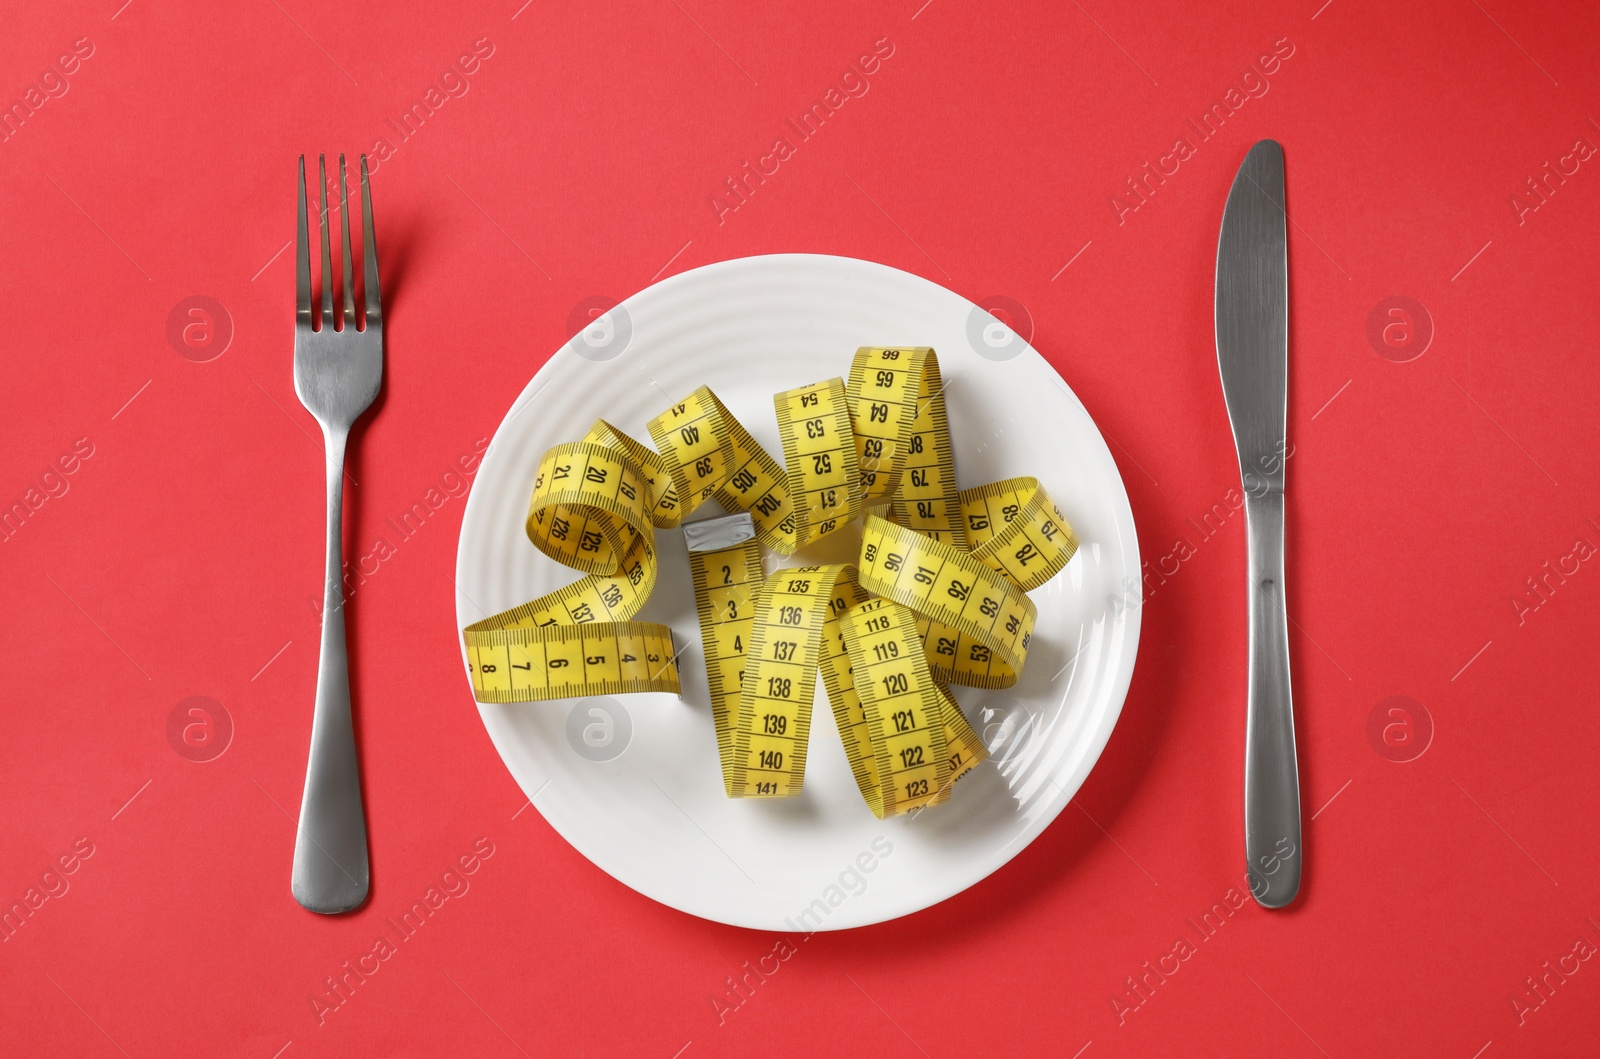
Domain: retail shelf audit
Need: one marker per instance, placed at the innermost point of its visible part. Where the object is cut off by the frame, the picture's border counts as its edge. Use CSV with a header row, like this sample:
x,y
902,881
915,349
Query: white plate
x,y
633,783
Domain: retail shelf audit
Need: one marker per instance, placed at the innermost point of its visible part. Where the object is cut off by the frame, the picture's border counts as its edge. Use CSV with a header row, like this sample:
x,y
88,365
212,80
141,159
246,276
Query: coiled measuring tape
x,y
938,597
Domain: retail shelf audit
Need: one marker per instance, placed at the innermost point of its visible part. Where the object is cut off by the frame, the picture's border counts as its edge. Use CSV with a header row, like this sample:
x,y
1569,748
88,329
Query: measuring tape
x,y
589,511
767,638
725,566
938,597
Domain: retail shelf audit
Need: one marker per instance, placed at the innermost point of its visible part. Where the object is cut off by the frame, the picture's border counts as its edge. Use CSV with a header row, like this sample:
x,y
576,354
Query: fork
x,y
337,372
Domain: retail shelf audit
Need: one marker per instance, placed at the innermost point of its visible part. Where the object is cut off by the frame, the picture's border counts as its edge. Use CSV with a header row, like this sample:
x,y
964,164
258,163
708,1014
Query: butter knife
x,y
1252,319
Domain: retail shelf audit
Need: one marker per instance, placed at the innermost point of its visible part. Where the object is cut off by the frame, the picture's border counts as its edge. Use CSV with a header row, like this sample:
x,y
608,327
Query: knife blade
x,y
1252,327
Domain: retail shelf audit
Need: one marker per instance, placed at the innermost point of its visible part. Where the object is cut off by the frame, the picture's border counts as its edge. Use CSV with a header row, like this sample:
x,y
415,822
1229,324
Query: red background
x,y
184,555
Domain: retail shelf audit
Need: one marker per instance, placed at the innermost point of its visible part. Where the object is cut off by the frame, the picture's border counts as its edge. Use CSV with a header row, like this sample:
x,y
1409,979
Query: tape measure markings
x,y
903,707
726,580
772,724
939,594
531,664
694,447
882,385
1024,534
820,451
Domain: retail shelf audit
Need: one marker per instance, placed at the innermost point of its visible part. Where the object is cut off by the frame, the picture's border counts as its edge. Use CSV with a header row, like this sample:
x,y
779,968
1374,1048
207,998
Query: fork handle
x,y
1272,840
330,847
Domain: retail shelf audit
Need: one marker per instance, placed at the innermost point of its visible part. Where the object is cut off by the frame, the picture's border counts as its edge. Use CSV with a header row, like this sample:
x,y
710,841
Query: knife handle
x,y
1272,841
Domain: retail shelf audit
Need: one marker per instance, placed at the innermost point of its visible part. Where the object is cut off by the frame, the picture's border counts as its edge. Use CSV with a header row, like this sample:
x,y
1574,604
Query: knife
x,y
1253,354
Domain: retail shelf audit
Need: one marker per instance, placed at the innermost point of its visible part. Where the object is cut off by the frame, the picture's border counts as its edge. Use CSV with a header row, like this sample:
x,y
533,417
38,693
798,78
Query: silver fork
x,y
337,372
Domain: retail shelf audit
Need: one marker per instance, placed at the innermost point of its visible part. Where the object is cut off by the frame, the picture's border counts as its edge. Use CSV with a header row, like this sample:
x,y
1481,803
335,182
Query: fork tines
x,y
369,256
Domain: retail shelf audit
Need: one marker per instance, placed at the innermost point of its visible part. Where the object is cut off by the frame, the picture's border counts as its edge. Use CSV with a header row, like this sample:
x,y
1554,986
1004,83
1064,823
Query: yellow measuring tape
x,y
938,597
